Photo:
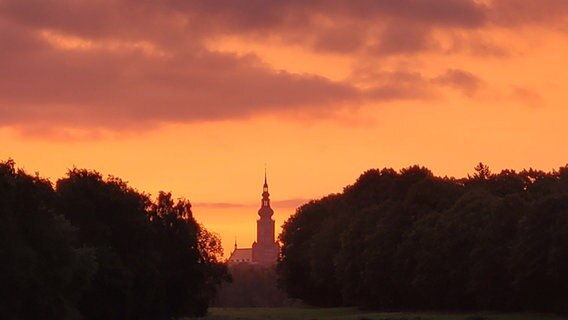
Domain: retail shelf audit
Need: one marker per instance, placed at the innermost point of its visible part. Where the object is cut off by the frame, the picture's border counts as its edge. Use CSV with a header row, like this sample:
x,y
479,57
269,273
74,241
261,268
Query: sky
x,y
198,97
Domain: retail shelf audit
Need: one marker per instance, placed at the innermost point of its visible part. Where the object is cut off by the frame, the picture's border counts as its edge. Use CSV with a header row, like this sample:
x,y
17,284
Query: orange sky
x,y
195,97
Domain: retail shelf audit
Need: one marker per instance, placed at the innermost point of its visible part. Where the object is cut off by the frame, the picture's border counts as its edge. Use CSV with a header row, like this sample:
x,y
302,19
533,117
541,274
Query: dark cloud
x,y
317,22
273,14
49,77
466,82
125,86
379,26
126,63
407,39
436,13
515,13
344,38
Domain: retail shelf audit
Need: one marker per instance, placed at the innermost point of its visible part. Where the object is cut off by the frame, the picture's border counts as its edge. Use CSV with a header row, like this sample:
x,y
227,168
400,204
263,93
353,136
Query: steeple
x,y
265,193
265,210
265,249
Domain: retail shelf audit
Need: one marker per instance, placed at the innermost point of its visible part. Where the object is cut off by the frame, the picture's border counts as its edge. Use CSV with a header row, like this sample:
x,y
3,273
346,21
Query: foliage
x,y
43,270
94,248
411,240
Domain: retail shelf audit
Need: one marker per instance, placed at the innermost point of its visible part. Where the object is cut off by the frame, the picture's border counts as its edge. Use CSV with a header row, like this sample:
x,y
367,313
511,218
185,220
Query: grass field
x,y
354,314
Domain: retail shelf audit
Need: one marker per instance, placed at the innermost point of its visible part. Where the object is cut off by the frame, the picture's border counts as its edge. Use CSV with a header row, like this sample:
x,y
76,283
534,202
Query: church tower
x,y
265,249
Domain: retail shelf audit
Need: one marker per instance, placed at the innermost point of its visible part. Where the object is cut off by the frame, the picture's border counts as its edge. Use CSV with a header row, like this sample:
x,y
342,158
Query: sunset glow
x,y
196,97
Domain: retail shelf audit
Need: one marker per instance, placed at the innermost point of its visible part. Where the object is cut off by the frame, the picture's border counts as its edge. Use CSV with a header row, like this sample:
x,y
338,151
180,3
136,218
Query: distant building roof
x,y
241,255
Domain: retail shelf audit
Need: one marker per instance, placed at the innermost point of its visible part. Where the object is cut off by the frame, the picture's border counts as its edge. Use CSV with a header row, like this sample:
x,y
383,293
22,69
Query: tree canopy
x,y
412,240
95,248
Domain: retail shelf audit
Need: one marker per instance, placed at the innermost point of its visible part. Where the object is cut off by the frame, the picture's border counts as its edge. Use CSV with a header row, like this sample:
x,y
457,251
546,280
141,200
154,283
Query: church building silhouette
x,y
264,250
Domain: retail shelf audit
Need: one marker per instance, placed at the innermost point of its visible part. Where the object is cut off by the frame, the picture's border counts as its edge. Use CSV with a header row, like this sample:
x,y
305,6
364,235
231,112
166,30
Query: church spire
x,y
265,250
265,193
265,209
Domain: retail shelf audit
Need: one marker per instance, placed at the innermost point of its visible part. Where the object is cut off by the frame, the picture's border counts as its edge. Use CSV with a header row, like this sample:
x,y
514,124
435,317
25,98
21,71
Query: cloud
x,y
220,205
515,13
342,38
466,82
382,27
528,97
286,203
63,80
289,203
123,64
407,39
75,81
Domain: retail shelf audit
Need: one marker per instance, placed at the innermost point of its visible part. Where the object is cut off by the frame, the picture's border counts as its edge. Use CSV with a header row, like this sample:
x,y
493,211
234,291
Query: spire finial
x,y
265,183
235,243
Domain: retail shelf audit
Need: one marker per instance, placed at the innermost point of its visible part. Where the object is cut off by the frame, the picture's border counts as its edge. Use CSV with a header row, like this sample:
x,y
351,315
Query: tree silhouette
x,y
94,248
482,172
43,270
411,240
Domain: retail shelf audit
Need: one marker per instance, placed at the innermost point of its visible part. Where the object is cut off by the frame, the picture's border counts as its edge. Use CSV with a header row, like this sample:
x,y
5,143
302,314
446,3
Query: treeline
x,y
411,240
94,248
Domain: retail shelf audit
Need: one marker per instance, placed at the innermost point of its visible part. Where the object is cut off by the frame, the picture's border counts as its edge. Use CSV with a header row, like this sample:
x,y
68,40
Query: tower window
x,y
265,203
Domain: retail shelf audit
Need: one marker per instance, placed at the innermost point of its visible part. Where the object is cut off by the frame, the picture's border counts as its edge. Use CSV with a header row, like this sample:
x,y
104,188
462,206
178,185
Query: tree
x,y
294,267
94,248
190,266
412,240
111,217
482,172
43,270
